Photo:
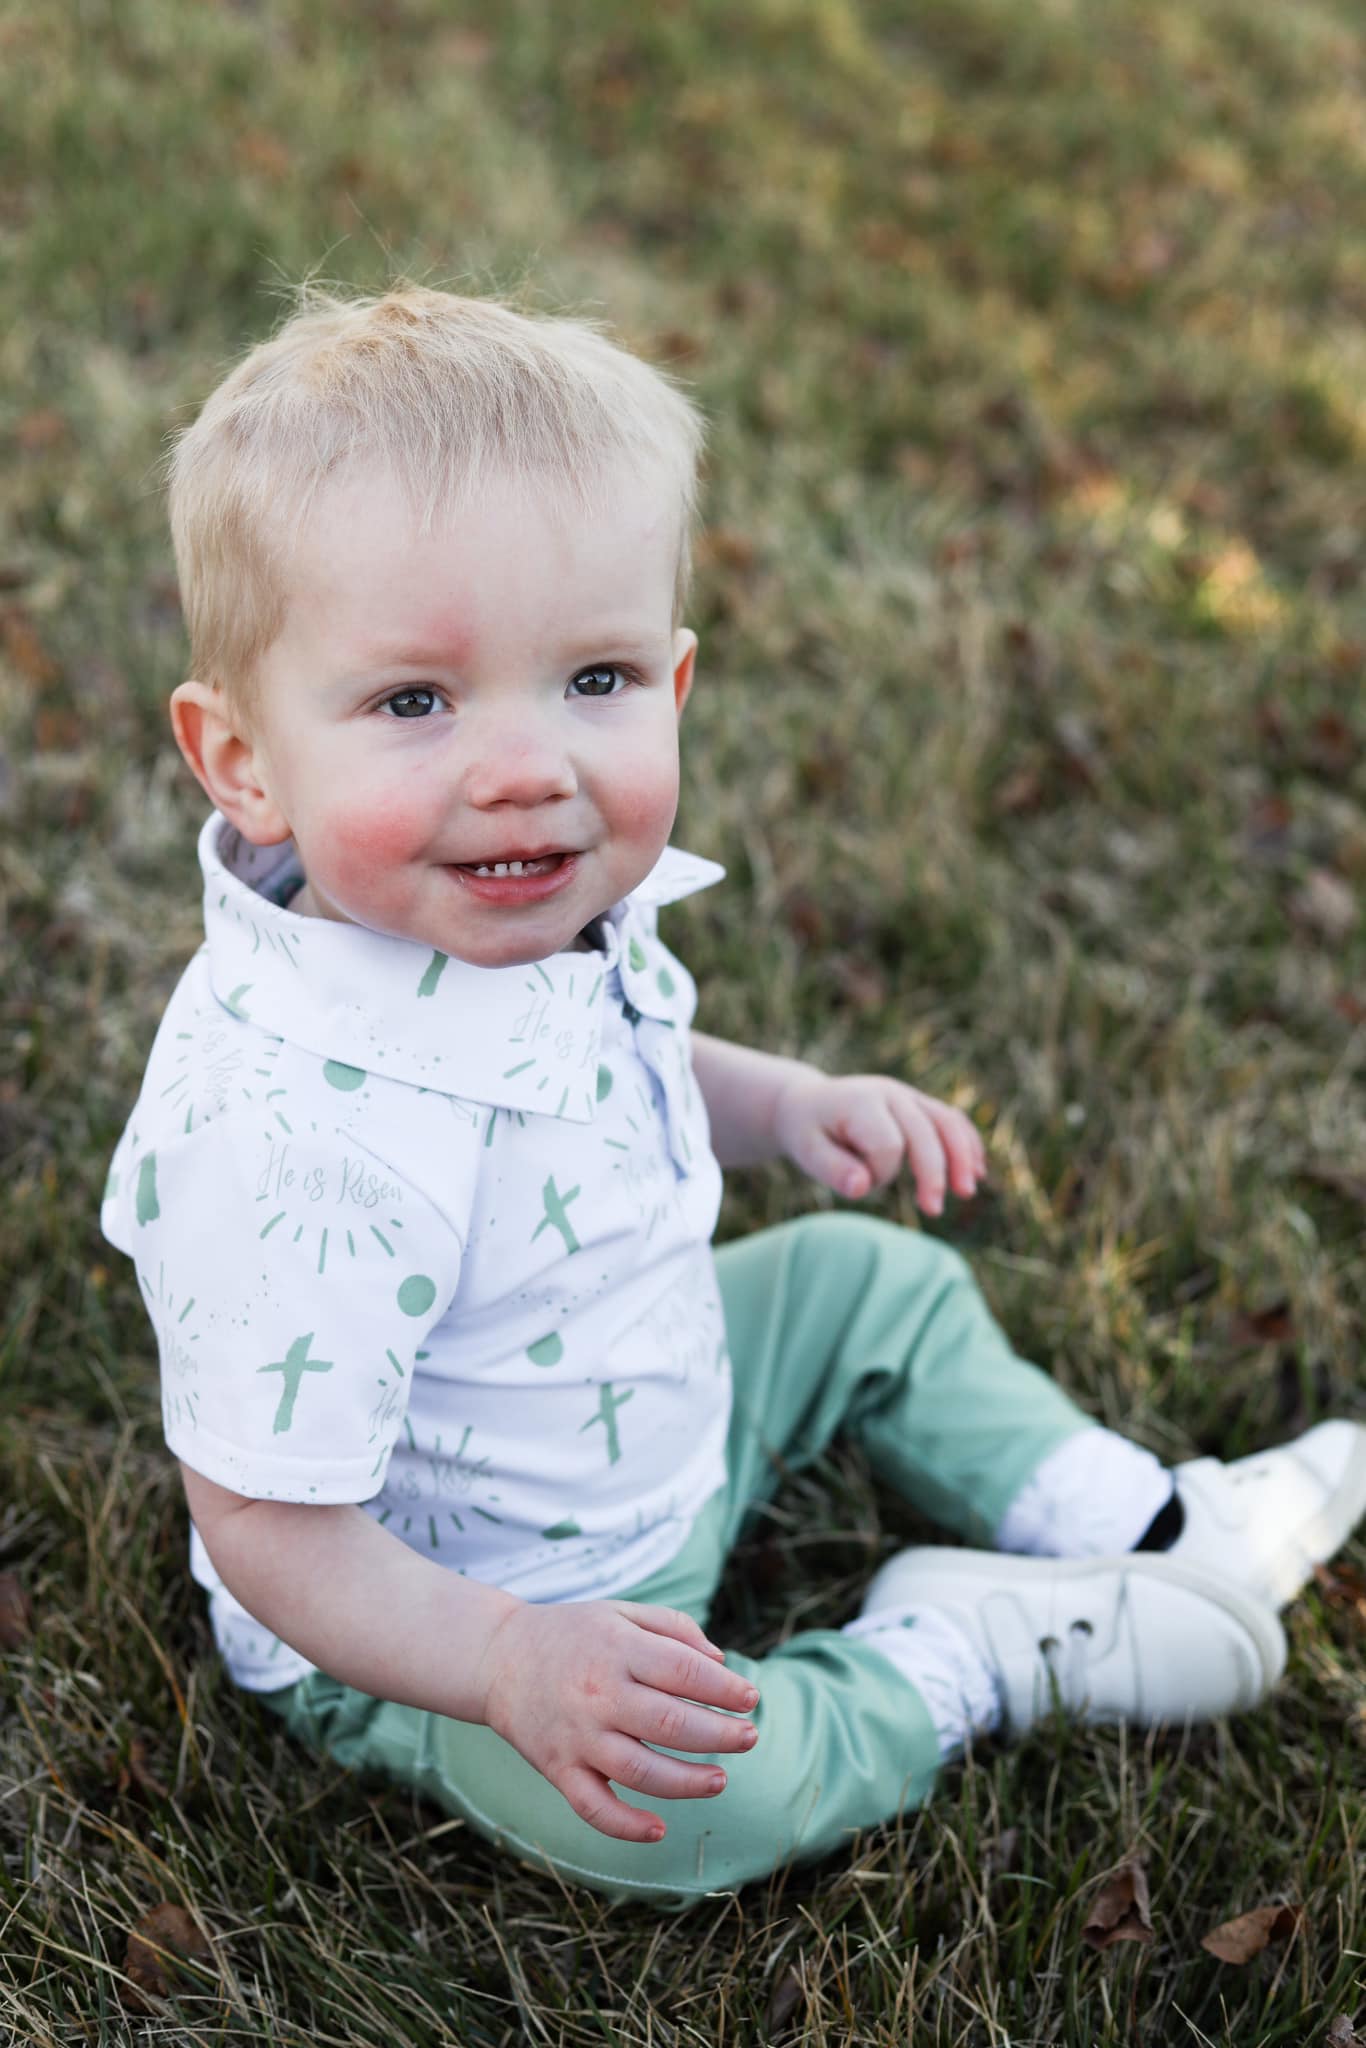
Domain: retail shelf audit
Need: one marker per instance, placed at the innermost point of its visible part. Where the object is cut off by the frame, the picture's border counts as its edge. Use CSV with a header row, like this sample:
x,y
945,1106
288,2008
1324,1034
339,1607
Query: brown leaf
x,y
862,985
1273,1325
469,48
788,1994
724,547
676,345
259,151
16,1612
1237,1941
42,429
1342,2034
135,1771
1342,1586
1021,792
23,649
1121,1911
1332,747
161,1938
806,917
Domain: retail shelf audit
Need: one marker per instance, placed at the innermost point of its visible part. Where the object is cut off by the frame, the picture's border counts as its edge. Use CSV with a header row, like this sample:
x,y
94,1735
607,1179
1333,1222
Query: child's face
x,y
505,686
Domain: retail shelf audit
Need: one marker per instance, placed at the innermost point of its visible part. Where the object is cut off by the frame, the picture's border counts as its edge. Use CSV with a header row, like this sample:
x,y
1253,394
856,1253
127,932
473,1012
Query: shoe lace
x,y
1068,1662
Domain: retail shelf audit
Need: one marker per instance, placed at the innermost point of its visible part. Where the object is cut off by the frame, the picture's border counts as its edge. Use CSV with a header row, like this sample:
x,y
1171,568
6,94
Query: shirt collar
x,y
516,1037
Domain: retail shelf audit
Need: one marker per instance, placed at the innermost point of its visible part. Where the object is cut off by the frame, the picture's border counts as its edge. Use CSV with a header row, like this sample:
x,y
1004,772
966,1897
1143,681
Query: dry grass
x,y
1030,729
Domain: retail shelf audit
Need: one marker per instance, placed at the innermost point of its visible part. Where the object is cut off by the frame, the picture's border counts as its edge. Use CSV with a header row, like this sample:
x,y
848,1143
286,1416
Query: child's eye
x,y
411,703
598,681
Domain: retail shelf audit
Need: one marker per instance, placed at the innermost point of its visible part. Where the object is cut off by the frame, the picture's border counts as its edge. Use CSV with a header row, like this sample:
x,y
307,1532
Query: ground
x,y
1029,726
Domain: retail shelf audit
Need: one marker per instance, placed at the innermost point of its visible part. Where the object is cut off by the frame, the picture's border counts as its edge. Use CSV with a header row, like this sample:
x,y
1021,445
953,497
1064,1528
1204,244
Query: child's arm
x,y
578,1689
850,1131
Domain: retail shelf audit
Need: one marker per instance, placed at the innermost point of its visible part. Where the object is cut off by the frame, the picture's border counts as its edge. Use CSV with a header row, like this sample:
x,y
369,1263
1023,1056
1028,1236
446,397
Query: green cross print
x,y
557,1214
608,1404
295,1363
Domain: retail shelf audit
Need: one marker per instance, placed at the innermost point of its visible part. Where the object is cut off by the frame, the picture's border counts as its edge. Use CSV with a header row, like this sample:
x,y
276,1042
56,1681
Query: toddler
x,y
421,1183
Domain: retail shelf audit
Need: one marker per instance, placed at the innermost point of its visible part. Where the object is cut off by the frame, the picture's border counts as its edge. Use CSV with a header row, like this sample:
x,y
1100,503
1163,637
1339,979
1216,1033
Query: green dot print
x,y
417,1294
339,1075
148,1207
604,1083
546,1350
558,1531
666,982
635,953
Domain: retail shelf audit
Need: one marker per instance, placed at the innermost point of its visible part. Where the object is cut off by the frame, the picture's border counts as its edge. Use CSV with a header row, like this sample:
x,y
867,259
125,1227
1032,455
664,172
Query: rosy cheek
x,y
365,841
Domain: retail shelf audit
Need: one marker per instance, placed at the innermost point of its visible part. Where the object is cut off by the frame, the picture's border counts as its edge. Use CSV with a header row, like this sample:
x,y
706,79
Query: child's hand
x,y
852,1132
580,1689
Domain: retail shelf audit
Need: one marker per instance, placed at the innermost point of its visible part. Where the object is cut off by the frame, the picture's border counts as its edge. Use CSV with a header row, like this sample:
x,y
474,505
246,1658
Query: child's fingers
x,y
671,1621
654,1716
961,1139
643,1770
593,1800
832,1164
924,1149
687,1676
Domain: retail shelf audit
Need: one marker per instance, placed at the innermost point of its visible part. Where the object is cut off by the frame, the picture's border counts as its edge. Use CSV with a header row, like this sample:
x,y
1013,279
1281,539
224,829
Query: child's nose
x,y
517,765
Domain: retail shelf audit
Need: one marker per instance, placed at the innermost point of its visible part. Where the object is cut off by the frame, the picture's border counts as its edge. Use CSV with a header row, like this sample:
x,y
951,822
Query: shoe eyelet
x,y
1082,1628
1047,1643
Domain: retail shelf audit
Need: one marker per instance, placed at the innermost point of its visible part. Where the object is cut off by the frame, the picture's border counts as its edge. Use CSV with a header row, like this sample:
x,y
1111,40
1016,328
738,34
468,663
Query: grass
x,y
1030,730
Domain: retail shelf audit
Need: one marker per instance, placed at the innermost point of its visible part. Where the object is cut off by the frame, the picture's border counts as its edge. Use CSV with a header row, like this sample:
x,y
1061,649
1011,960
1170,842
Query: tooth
x,y
514,867
500,867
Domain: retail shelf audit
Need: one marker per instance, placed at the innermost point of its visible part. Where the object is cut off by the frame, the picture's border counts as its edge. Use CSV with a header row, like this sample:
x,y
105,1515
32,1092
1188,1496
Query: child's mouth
x,y
517,881
543,866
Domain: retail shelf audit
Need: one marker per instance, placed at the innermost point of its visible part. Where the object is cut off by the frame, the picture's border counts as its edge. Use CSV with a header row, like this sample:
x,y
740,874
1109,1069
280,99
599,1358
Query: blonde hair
x,y
445,392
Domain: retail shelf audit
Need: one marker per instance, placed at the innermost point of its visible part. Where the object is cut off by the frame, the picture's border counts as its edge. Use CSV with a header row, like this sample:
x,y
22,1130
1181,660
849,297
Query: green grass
x,y
1030,728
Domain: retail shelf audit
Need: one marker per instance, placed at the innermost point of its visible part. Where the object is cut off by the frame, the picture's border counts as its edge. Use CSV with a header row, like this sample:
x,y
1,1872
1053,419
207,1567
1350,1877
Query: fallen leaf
x,y
724,547
1121,1911
806,917
1332,748
1342,2034
1021,792
162,1938
24,650
259,151
470,48
788,1993
1273,1325
1342,1586
1237,1941
675,345
42,429
135,1771
16,1612
862,986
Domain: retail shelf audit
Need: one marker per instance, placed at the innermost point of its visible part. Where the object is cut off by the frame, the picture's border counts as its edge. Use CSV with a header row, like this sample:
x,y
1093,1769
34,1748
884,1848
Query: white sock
x,y
1093,1496
926,1645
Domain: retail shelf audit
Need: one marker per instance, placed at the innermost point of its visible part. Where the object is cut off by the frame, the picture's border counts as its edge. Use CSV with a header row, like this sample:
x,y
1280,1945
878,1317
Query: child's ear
x,y
225,762
684,660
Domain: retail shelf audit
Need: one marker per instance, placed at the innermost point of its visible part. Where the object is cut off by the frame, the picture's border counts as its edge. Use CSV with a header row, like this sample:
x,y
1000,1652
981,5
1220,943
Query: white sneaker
x,y
1266,1521
1136,1638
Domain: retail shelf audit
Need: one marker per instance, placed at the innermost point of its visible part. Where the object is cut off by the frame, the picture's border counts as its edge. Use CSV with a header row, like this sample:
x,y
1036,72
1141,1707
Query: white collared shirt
x,y
432,1238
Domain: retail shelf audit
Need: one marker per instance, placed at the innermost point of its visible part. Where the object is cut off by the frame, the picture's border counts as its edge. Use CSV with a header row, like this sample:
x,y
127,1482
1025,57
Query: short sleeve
x,y
292,1281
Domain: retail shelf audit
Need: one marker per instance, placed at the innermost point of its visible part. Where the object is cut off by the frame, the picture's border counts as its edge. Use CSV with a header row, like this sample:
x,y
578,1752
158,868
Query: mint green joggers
x,y
837,1322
